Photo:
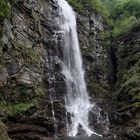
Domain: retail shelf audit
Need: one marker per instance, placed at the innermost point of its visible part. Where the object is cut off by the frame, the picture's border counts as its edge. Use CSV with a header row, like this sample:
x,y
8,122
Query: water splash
x,y
51,80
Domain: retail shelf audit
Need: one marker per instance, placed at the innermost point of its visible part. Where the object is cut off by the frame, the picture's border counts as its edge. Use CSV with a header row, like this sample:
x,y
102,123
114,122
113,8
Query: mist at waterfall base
x,y
77,100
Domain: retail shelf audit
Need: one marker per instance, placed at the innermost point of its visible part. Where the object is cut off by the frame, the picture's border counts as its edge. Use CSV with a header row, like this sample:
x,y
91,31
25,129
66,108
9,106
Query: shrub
x,y
123,26
87,6
124,14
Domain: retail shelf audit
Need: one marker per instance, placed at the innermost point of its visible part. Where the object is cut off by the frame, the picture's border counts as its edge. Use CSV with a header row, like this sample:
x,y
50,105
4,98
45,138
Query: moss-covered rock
x,y
23,79
28,54
10,109
128,83
4,9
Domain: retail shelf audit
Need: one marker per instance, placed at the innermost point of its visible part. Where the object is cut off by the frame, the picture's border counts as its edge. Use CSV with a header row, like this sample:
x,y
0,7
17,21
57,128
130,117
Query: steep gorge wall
x,y
127,112
28,47
23,80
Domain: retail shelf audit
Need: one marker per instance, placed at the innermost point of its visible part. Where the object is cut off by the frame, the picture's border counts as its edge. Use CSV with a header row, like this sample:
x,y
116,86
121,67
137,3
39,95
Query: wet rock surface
x,y
24,101
29,60
29,57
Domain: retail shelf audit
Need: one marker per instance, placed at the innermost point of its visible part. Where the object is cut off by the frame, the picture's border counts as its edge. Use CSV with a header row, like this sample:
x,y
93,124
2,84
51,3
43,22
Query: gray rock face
x,y
29,55
23,80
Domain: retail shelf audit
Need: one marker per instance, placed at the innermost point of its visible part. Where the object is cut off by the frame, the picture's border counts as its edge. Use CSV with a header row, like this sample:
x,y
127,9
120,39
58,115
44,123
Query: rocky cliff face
x,y
127,111
23,78
29,56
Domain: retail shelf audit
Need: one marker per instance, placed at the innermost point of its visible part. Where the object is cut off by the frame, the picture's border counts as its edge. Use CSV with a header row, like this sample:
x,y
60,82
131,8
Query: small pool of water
x,y
80,138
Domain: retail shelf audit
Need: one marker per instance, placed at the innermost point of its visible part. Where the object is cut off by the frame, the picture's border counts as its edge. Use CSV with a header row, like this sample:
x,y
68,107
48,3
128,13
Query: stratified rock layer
x,y
28,56
28,48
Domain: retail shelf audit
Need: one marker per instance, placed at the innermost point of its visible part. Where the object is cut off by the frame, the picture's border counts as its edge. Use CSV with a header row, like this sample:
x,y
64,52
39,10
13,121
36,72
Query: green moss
x,y
137,97
85,7
28,54
33,56
40,92
21,88
135,134
135,121
21,92
78,6
134,78
124,26
98,88
134,90
135,105
4,9
18,108
129,65
104,35
37,21
35,16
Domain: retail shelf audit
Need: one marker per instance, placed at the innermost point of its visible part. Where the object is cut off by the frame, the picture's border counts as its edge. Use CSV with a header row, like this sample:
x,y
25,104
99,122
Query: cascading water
x,y
77,99
51,79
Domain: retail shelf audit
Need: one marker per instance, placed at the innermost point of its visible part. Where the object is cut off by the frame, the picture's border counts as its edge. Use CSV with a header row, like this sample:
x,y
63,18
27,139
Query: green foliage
x,y
77,5
104,35
121,15
4,9
123,26
125,15
110,4
87,6
130,6
97,87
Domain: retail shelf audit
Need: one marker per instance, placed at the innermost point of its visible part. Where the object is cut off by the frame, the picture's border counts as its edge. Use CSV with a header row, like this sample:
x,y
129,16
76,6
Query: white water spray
x,y
77,99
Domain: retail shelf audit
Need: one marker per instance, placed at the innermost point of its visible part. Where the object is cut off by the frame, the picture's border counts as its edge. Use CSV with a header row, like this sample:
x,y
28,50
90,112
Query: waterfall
x,y
77,100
